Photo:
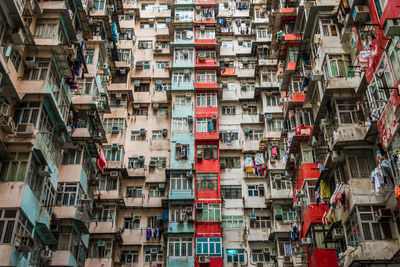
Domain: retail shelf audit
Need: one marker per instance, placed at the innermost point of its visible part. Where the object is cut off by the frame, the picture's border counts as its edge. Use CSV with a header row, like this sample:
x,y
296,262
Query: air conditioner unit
x,y
204,259
18,37
188,95
199,206
268,116
7,124
337,233
122,71
101,243
46,255
384,214
139,65
142,131
157,48
214,117
317,39
190,118
266,251
113,173
253,216
360,13
287,259
306,241
45,171
246,131
201,55
30,62
136,106
25,130
164,132
156,105
277,177
299,193
153,251
141,158
114,146
392,27
202,27
244,60
240,40
245,106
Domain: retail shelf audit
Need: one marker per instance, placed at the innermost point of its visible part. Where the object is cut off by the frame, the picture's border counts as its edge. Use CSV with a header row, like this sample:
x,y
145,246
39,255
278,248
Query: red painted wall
x,y
307,171
208,229
313,214
214,262
323,257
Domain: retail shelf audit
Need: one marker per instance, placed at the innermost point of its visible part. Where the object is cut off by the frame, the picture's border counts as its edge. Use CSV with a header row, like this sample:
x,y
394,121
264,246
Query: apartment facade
x,y
199,133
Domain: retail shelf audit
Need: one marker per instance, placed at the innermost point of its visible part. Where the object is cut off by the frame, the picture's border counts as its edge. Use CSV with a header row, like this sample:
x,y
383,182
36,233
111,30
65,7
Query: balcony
x,y
63,258
205,2
232,145
180,228
245,73
256,235
205,62
206,84
228,71
325,257
154,13
307,171
336,83
205,41
138,237
180,195
281,193
185,86
95,262
74,213
184,2
207,135
267,62
180,261
243,13
250,146
312,215
183,63
300,135
103,227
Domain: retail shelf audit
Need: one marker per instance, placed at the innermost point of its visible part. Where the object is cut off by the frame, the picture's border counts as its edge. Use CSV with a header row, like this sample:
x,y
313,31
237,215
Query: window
x,y
68,194
154,222
185,34
85,86
114,125
181,152
118,101
107,182
180,183
16,168
153,257
145,25
228,110
145,44
336,66
328,27
160,65
180,125
279,184
163,87
183,55
206,34
146,66
206,100
232,222
40,71
113,153
347,112
259,256
181,77
207,151
100,248
124,54
15,58
138,136
180,246
360,165
89,56
245,44
160,162
148,7
162,25
129,256
204,125
184,15
209,246
106,214
363,224
288,214
99,4
229,162
209,213
156,191
207,181
284,247
126,34
254,135
180,213
377,98
251,110
394,58
255,190
260,222
134,191
141,111
272,101
8,219
161,111
48,196
27,112
182,101
274,125
262,33
235,255
231,191
71,157
135,163
228,136
207,76
46,29
159,135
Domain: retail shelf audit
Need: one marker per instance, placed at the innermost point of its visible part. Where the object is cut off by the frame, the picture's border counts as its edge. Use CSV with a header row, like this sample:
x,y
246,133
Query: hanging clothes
x,y
248,162
325,189
259,159
274,152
